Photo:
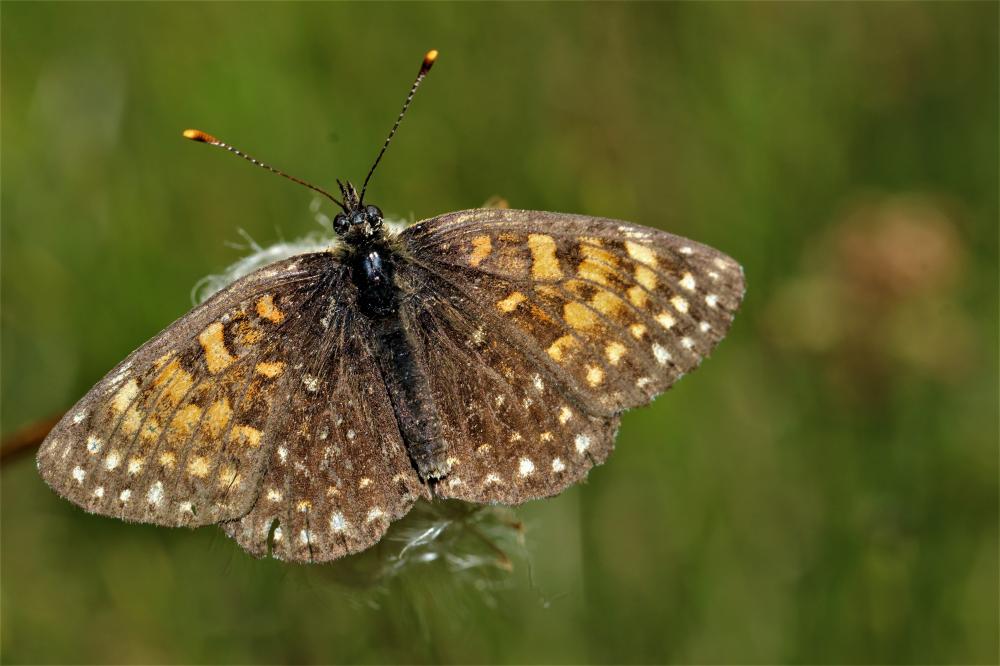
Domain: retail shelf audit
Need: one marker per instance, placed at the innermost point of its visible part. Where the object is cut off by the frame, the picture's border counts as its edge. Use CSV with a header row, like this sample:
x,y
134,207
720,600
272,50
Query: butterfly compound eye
x,y
340,223
374,216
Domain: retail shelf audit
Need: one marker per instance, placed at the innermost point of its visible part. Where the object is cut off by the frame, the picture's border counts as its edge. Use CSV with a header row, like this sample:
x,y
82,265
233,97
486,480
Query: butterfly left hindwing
x,y
513,430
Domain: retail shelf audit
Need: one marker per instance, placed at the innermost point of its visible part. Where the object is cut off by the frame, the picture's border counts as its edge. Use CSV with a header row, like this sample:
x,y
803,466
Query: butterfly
x,y
484,355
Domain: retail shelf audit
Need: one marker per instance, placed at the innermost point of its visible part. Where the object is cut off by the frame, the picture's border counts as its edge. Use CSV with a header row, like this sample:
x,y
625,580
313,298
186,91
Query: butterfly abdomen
x,y
373,273
412,399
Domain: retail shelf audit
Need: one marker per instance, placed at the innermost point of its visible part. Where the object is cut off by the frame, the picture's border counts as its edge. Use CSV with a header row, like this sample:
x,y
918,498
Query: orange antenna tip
x,y
425,67
429,60
205,137
198,135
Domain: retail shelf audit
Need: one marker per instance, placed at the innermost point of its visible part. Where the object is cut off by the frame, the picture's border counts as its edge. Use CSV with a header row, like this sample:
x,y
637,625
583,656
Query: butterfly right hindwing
x,y
339,472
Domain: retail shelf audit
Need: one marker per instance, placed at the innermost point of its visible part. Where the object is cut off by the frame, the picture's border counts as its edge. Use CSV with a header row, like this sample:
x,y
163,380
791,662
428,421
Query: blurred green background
x,y
824,489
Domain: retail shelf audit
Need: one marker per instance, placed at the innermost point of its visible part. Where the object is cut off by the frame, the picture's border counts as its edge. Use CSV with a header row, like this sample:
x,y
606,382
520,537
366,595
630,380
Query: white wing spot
x,y
526,467
642,382
135,466
687,343
558,465
278,534
721,263
687,281
155,494
305,536
711,300
94,444
582,443
273,495
99,492
79,416
686,250
454,481
79,474
125,494
661,354
539,384
311,383
565,414
492,477
337,522
614,351
113,460
351,434
365,482
704,327
666,320
125,395
679,304
185,507
283,453
374,514
499,400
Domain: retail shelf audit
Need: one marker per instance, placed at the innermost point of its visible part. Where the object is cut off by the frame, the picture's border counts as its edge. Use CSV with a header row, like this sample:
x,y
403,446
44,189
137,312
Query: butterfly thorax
x,y
372,272
366,252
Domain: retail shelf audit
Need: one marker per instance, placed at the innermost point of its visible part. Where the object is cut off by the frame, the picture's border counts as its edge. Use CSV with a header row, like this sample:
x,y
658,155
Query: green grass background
x,y
823,490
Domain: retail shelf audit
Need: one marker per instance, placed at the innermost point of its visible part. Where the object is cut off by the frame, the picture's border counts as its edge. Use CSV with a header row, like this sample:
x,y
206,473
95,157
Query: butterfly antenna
x,y
425,67
203,137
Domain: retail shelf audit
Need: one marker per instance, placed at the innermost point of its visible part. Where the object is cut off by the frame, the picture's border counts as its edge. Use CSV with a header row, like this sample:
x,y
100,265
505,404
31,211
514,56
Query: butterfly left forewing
x,y
617,311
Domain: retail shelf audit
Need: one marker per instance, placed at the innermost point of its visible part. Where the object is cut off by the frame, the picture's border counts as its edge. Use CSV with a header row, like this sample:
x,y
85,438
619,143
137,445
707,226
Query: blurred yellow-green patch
x,y
823,490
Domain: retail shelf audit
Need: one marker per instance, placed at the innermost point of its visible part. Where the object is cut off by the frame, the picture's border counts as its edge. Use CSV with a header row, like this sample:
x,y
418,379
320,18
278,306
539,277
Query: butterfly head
x,y
359,223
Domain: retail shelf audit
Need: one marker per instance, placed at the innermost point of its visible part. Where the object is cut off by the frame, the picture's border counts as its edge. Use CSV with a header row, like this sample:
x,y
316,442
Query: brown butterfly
x,y
484,355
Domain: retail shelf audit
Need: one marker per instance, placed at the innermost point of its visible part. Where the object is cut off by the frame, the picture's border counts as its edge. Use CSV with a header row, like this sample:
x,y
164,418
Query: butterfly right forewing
x,y
179,432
